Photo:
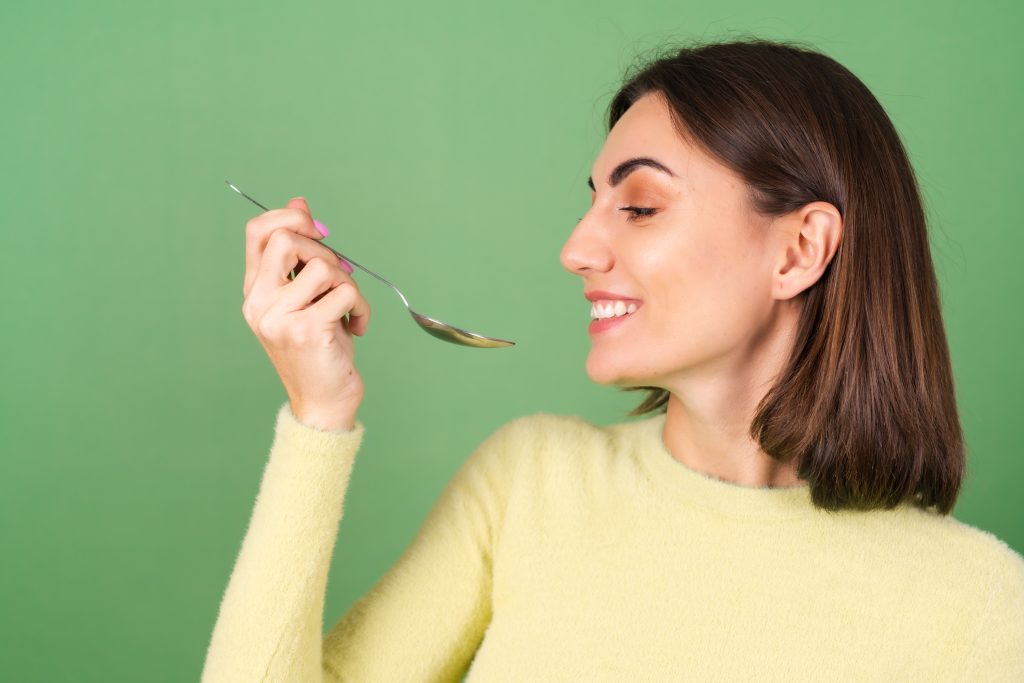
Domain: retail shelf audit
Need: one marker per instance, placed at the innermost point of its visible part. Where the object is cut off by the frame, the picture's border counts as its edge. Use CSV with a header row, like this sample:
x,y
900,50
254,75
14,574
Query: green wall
x,y
446,145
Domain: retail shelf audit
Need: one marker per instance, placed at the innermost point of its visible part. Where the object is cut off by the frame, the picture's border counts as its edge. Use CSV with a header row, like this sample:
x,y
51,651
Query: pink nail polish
x,y
345,264
321,228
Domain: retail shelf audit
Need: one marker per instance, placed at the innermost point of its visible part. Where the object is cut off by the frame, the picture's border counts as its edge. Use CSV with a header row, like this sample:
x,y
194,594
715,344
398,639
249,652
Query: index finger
x,y
295,217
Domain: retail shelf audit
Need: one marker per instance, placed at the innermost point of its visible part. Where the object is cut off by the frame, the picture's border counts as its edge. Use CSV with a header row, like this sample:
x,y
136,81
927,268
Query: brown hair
x,y
865,404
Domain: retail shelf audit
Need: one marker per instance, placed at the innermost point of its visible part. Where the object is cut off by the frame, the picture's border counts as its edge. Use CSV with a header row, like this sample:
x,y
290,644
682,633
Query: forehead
x,y
647,129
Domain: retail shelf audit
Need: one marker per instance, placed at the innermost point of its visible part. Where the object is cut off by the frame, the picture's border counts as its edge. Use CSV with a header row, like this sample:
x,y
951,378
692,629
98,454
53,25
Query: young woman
x,y
756,259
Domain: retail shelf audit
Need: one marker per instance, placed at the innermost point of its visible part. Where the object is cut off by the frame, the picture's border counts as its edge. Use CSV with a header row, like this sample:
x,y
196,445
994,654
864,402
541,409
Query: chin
x,y
601,372
617,369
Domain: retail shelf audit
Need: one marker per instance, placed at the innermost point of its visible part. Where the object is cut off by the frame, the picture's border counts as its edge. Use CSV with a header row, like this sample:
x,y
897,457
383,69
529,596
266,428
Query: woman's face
x,y
698,269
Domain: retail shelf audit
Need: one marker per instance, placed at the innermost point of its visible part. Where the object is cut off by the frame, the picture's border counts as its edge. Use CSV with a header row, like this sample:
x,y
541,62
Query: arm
x,y
424,618
268,626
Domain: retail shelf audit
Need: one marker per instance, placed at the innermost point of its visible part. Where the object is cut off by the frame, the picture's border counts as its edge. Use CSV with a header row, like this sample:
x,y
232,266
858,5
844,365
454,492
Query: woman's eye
x,y
637,212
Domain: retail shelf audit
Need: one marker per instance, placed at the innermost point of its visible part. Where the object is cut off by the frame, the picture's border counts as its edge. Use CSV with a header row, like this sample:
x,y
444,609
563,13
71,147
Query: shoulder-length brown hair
x,y
865,405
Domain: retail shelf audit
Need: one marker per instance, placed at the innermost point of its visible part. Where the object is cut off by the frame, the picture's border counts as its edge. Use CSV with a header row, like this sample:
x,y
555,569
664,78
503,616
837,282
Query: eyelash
x,y
637,213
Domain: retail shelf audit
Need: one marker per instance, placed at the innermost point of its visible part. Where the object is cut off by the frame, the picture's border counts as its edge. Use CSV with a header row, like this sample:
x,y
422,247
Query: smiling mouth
x,y
604,309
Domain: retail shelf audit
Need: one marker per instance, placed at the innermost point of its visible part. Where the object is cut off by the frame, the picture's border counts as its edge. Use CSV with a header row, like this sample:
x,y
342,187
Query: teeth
x,y
611,309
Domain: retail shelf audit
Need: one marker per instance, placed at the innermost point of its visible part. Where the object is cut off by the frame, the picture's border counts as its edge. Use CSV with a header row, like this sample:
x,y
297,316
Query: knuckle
x,y
360,299
318,266
280,238
268,327
301,217
365,306
297,335
348,292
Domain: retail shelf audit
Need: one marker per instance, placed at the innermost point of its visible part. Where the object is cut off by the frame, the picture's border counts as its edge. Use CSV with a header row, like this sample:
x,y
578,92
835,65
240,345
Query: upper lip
x,y
596,294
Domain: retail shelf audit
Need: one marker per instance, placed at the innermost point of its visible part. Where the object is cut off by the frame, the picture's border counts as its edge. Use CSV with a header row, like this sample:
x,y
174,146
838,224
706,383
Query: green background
x,y
447,146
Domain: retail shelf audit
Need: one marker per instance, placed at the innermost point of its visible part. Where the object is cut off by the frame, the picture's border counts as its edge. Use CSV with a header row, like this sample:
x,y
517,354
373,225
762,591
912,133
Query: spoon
x,y
444,331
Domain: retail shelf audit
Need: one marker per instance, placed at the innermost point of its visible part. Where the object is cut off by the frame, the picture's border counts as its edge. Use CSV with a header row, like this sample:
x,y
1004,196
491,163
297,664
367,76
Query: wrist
x,y
327,419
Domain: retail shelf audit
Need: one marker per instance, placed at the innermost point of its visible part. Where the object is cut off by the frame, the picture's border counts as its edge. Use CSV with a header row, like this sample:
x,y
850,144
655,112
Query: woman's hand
x,y
302,323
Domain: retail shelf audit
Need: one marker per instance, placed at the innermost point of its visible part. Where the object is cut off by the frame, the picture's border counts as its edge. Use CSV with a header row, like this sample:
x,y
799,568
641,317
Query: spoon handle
x,y
336,252
367,271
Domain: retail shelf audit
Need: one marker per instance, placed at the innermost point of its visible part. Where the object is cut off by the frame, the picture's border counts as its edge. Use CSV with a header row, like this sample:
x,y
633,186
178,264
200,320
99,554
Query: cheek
x,y
707,287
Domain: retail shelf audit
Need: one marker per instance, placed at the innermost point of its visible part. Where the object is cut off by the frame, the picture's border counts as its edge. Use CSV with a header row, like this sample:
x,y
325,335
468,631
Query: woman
x,y
756,259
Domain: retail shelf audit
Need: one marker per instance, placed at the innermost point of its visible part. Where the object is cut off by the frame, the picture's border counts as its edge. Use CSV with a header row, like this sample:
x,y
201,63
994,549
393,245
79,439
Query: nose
x,y
586,250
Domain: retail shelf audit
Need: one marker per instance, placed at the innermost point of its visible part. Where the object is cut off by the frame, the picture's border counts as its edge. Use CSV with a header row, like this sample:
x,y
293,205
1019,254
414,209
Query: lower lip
x,y
606,323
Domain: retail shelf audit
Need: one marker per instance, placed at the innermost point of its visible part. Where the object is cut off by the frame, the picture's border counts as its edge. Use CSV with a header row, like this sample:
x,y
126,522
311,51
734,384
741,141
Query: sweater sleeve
x,y
426,616
422,620
998,650
270,619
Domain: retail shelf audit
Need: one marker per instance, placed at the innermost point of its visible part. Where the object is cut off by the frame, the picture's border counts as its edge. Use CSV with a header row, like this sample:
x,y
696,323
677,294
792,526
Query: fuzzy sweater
x,y
565,551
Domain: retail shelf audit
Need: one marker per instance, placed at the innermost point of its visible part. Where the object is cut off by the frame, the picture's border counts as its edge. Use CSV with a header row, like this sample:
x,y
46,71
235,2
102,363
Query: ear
x,y
807,239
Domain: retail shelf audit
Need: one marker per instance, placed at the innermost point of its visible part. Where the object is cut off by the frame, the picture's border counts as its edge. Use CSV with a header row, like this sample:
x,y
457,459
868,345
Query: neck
x,y
709,411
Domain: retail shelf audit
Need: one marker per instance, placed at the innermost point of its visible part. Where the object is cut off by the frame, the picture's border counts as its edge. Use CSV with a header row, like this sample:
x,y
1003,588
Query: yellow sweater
x,y
565,551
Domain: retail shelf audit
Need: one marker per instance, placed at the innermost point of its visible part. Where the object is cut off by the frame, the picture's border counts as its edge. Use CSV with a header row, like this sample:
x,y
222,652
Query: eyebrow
x,y
628,166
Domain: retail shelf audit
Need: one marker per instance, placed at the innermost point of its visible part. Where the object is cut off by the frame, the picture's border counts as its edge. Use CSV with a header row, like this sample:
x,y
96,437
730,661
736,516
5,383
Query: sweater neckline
x,y
681,483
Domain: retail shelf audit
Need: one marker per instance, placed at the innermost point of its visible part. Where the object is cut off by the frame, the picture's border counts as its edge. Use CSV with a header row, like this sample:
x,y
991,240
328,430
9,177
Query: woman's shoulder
x,y
986,545
562,430
993,574
543,445
977,551
543,431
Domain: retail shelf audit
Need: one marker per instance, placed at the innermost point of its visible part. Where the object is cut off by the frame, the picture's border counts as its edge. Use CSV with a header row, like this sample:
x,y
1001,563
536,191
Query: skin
x,y
717,282
305,325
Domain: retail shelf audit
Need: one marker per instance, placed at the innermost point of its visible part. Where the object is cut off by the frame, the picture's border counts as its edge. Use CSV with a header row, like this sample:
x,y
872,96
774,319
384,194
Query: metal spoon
x,y
449,333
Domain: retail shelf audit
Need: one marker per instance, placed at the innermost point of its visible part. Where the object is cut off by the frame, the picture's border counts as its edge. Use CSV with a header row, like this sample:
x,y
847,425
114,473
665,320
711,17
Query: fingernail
x,y
345,264
321,227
